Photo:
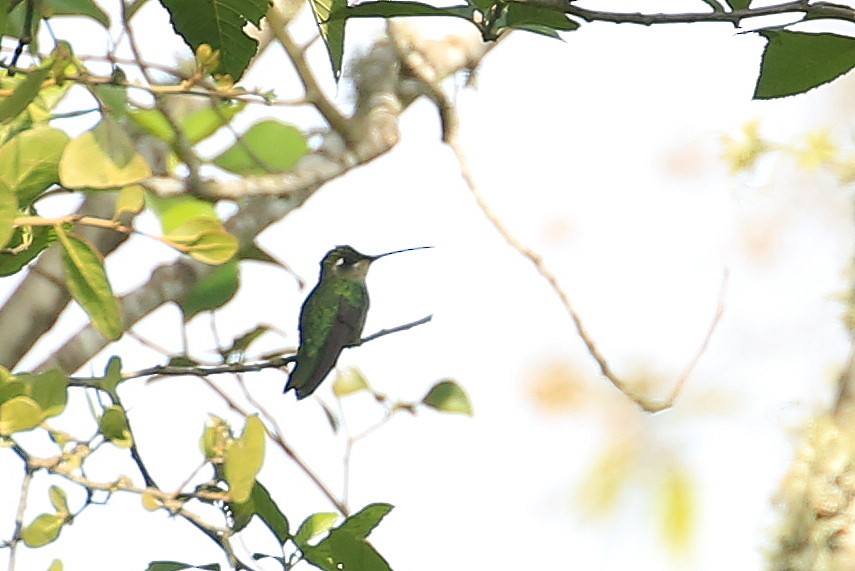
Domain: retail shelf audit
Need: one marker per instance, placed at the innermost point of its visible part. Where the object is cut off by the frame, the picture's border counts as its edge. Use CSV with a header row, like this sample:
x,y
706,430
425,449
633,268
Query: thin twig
x,y
19,515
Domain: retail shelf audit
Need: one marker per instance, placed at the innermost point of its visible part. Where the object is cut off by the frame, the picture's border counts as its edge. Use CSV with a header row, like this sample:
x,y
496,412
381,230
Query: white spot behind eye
x,y
339,262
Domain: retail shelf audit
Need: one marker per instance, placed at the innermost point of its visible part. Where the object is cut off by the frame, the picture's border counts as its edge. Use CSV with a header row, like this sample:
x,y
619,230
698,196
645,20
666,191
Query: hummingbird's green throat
x,y
332,316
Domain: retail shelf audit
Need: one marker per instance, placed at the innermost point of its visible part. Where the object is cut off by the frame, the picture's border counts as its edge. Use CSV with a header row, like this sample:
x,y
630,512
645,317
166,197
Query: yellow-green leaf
x,y
29,162
85,164
216,439
24,94
244,459
43,530
114,426
176,211
268,146
55,566
49,389
349,381
448,396
677,506
59,500
131,200
8,211
18,414
202,123
204,239
314,525
114,142
88,285
211,292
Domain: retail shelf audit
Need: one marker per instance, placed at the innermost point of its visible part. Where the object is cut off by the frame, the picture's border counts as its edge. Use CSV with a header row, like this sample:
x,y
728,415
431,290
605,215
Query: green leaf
x,y
202,123
131,200
539,20
25,93
220,24
86,8
240,345
268,146
59,500
176,211
204,239
154,122
85,164
349,381
313,526
332,31
8,212
29,162
386,9
176,566
212,291
43,530
244,459
114,142
795,62
25,245
261,504
56,565
448,396
88,285
48,389
19,414
112,376
734,4
346,547
113,424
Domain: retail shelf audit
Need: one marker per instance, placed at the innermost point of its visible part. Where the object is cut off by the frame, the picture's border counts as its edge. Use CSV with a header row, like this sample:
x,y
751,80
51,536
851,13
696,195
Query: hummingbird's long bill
x,y
399,251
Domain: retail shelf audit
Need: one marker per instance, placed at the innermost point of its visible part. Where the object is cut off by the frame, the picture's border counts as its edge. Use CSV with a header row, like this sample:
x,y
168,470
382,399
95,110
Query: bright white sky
x,y
603,154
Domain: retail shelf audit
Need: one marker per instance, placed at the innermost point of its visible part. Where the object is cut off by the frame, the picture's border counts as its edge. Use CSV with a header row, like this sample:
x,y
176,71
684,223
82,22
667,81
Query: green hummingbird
x,y
332,317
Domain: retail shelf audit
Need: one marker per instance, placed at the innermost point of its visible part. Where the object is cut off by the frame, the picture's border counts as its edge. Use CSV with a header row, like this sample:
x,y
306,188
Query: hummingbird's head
x,y
344,261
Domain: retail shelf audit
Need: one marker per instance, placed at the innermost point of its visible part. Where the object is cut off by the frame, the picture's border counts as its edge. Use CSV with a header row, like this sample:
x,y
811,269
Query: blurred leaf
x,y
88,285
609,476
348,381
448,396
154,122
85,164
59,500
113,424
241,344
18,414
8,212
112,375
202,123
24,94
216,438
313,526
29,162
150,502
677,507
176,211
49,389
176,566
87,8
204,239
27,243
220,24
131,200
261,504
244,458
113,141
795,62
737,4
56,565
268,146
43,530
211,292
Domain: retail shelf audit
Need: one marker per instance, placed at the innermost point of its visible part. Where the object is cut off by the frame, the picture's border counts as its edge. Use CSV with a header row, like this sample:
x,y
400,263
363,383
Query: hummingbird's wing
x,y
321,346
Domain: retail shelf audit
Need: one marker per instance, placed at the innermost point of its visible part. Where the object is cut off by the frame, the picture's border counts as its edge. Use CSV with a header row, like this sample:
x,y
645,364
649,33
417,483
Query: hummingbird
x,y
332,317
